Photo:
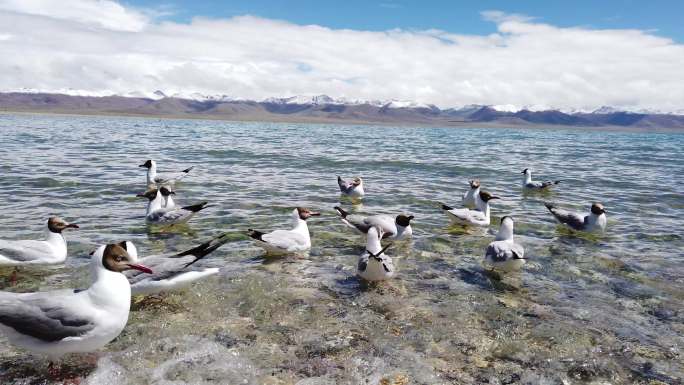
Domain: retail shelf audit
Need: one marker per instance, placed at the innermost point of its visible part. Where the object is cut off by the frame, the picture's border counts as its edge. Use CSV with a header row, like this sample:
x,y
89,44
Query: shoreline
x,y
348,122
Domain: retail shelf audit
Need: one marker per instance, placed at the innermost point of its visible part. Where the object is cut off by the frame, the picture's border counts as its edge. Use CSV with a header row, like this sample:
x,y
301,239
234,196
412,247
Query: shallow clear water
x,y
584,309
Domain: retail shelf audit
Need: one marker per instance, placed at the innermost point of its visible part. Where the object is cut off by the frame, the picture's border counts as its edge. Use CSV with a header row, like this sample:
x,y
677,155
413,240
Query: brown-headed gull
x,y
73,321
174,270
158,215
154,179
468,217
529,184
398,227
287,241
353,189
504,254
594,221
31,252
374,264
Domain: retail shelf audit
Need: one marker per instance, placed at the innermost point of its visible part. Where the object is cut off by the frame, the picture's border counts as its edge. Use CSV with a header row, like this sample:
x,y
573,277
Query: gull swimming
x,y
154,179
30,252
392,228
287,241
529,184
595,220
472,196
158,215
374,264
504,254
171,271
353,189
465,216
58,322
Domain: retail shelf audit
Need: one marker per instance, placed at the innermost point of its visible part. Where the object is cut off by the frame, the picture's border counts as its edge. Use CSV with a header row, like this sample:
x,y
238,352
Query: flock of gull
x,y
58,322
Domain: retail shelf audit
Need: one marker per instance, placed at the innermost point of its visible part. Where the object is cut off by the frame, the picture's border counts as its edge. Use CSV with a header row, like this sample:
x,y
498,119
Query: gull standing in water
x,y
472,196
392,228
374,264
158,215
171,271
154,179
353,189
287,241
73,321
594,221
504,254
529,184
29,252
464,216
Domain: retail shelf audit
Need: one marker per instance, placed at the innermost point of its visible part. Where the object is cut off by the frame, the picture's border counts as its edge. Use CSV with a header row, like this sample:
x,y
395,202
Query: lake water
x,y
584,309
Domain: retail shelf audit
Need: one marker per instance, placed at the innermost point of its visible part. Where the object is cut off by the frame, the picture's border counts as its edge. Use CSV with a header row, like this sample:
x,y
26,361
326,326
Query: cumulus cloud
x,y
104,47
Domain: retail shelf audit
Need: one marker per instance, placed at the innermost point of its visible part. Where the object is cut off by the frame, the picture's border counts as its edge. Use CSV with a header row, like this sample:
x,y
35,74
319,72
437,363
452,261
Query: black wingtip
x,y
197,207
447,208
256,234
549,206
206,248
187,170
342,213
556,182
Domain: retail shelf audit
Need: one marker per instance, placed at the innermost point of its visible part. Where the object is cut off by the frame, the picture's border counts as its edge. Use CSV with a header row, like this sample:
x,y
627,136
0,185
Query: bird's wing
x,y
363,262
387,263
357,222
169,216
23,250
499,251
385,222
283,239
47,316
163,267
571,219
534,185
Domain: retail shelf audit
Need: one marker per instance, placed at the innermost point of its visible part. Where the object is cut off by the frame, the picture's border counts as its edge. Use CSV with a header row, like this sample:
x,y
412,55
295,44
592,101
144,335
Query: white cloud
x,y
105,47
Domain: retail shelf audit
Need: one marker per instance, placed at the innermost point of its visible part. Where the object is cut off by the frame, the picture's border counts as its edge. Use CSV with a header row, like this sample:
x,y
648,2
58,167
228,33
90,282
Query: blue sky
x,y
664,17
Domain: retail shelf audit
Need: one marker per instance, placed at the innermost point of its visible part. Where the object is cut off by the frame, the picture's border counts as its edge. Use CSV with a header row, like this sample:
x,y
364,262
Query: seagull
x,y
464,216
374,264
504,254
596,220
168,202
58,322
287,241
471,197
353,189
50,251
158,215
154,179
529,184
171,271
392,228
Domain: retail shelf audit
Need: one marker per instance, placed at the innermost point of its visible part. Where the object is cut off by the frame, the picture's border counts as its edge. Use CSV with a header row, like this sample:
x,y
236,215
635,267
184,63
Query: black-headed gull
x,y
158,215
504,254
529,184
172,271
287,241
73,321
374,264
49,251
472,196
353,189
594,221
464,216
392,228
154,179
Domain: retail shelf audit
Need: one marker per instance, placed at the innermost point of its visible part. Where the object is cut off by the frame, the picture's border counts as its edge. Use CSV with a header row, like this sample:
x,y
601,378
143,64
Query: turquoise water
x,y
584,309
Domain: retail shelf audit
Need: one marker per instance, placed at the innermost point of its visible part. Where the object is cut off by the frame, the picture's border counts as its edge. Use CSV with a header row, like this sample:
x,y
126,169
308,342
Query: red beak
x,y
142,268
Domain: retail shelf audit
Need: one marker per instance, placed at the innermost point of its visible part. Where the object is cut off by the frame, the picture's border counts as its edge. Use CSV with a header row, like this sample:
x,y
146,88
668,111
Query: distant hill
x,y
325,109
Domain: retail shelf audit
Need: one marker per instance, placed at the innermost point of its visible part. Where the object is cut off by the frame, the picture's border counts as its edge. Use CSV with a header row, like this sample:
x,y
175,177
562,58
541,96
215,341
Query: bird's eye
x,y
119,259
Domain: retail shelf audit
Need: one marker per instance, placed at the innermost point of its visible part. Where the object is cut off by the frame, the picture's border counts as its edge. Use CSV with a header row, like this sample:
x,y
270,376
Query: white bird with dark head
x,y
529,184
594,221
157,214
398,227
287,241
155,180
58,322
29,252
353,189
468,217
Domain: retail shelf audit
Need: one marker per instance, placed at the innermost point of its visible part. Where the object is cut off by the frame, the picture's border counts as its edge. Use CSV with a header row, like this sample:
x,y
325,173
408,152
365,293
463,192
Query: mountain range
x,y
323,109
